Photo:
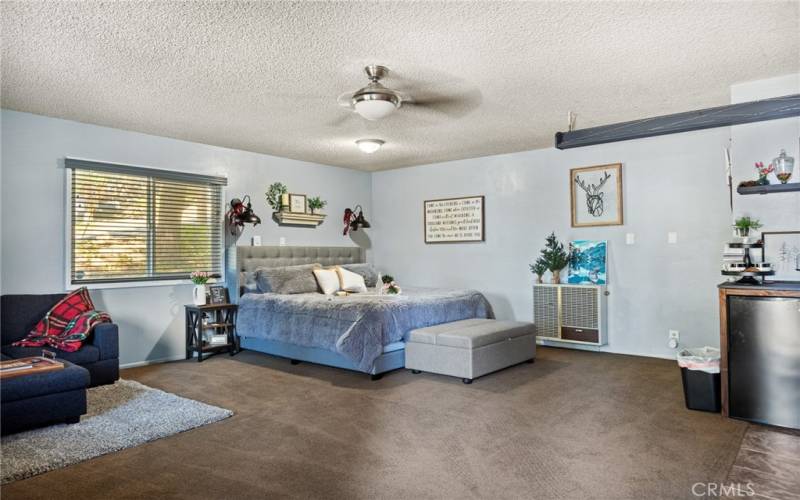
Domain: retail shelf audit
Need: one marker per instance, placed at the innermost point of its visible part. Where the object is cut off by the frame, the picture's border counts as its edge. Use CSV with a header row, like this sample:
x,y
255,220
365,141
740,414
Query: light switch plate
x,y
256,241
282,241
630,238
672,238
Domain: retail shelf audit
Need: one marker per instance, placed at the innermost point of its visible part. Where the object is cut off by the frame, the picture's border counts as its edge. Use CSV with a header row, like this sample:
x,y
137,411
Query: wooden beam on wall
x,y
722,116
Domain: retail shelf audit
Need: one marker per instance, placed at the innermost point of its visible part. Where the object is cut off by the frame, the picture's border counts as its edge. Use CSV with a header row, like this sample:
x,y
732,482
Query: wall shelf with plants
x,y
291,209
782,167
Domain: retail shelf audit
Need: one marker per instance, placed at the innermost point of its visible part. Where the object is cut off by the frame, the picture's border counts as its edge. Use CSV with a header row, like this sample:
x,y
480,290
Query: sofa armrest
x,y
106,338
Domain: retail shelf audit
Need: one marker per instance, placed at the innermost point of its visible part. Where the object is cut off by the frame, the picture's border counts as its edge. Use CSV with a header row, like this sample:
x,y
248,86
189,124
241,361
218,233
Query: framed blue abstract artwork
x,y
587,264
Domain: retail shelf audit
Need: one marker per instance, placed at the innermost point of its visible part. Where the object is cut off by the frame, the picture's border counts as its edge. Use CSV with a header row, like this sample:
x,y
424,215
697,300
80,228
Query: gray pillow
x,y
288,279
249,283
367,271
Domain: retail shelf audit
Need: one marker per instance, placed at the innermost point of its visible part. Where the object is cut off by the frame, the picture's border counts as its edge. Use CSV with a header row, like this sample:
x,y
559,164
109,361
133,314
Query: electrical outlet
x,y
674,339
256,241
630,238
672,238
282,241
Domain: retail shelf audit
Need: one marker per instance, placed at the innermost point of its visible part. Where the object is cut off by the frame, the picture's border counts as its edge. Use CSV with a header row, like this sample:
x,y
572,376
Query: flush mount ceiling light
x,y
369,146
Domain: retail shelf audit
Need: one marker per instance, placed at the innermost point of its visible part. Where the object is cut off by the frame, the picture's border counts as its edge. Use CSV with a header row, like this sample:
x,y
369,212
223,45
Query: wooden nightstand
x,y
219,318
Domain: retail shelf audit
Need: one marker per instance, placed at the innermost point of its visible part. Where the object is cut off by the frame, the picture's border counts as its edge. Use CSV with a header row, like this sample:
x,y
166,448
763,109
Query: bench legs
x,y
466,380
295,361
530,361
416,372
377,376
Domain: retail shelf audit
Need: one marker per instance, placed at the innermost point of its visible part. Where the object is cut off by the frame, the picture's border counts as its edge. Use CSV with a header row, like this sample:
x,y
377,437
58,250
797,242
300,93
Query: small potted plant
x,y
275,194
199,278
316,204
763,172
539,268
744,225
555,257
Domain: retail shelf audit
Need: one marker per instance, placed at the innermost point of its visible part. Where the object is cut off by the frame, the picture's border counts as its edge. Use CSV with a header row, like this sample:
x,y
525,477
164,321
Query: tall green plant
x,y
554,256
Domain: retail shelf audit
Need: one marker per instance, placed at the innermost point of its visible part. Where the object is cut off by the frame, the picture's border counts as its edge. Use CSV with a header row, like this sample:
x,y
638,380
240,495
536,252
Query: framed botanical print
x,y
454,220
782,252
596,195
297,203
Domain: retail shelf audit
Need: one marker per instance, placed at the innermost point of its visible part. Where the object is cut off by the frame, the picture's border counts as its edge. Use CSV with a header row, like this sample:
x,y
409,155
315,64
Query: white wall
x,y
150,318
671,183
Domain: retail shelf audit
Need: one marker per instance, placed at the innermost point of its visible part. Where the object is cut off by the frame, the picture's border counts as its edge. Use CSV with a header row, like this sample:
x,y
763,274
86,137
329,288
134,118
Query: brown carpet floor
x,y
573,425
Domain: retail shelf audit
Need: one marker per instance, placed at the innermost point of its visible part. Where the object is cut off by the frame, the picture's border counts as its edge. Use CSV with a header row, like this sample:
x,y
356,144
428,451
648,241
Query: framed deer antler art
x,y
596,195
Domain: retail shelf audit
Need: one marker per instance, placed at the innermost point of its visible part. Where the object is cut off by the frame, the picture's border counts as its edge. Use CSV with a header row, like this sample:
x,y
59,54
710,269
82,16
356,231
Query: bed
x,y
362,332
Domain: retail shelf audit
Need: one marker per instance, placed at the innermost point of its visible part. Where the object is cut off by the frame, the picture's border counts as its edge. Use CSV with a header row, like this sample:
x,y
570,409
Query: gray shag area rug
x,y
122,415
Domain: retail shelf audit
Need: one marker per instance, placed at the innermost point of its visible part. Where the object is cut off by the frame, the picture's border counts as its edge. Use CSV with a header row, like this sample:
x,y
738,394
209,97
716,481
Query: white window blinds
x,y
138,224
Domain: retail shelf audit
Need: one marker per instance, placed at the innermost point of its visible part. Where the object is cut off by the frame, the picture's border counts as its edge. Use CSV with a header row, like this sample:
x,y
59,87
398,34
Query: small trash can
x,y
700,374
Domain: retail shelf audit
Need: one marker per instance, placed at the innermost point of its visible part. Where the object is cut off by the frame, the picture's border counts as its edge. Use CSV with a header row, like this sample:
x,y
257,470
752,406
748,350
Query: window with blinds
x,y
137,224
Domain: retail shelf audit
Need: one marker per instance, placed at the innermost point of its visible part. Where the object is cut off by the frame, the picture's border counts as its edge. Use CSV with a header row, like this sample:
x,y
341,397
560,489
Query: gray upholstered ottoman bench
x,y
470,348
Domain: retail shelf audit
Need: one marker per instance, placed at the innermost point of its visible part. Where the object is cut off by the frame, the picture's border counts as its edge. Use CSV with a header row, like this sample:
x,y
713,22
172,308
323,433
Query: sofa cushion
x,y
471,333
21,313
28,386
84,355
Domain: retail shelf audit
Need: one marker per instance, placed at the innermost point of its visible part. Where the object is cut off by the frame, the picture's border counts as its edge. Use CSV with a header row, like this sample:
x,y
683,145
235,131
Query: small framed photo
x,y
782,251
297,203
596,195
218,294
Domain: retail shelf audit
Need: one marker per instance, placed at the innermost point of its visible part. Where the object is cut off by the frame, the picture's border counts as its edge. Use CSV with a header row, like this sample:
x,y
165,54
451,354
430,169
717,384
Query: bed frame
x,y
250,258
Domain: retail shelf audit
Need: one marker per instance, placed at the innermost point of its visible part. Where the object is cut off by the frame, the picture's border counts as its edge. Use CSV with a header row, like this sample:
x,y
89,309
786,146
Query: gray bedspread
x,y
356,326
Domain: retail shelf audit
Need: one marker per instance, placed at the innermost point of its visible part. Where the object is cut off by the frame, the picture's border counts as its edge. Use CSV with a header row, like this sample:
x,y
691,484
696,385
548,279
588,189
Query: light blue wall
x,y
671,183
151,318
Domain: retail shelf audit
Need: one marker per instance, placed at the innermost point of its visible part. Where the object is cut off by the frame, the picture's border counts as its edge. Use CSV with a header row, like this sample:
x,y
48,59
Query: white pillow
x,y
328,280
350,281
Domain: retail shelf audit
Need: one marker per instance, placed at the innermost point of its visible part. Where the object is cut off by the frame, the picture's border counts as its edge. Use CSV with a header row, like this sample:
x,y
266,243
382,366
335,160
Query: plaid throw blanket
x,y
67,324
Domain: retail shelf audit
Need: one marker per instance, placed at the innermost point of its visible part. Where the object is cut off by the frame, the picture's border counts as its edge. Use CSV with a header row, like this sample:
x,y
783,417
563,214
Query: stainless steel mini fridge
x,y
764,359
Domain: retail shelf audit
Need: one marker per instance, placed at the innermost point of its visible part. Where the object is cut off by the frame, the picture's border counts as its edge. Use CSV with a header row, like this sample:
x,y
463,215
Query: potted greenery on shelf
x,y
539,268
554,257
744,225
275,194
316,204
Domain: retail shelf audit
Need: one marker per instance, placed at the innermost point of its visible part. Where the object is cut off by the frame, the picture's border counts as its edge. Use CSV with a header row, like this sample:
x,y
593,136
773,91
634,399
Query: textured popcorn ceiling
x,y
265,76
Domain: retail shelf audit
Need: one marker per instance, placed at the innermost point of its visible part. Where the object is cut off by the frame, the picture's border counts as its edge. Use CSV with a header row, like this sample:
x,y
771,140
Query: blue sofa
x,y
99,354
43,399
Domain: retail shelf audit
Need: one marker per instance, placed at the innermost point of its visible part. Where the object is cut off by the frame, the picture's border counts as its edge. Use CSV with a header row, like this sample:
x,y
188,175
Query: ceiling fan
x,y
376,101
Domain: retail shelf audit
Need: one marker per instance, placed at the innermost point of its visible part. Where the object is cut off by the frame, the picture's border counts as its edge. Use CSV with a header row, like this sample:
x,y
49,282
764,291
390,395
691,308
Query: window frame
x,y
69,285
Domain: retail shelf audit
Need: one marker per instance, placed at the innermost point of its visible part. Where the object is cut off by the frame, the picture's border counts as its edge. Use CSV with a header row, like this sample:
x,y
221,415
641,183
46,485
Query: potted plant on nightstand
x,y
199,278
744,225
316,204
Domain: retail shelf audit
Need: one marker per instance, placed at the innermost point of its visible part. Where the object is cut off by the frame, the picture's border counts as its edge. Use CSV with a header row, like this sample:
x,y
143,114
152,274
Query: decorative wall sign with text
x,y
596,195
454,220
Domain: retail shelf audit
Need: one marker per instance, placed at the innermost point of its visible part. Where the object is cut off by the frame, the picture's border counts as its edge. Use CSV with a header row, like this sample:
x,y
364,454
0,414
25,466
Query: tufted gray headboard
x,y
250,258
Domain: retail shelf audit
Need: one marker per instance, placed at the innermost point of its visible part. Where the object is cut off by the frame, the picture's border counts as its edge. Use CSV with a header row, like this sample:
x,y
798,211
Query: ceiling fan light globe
x,y
369,146
374,109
